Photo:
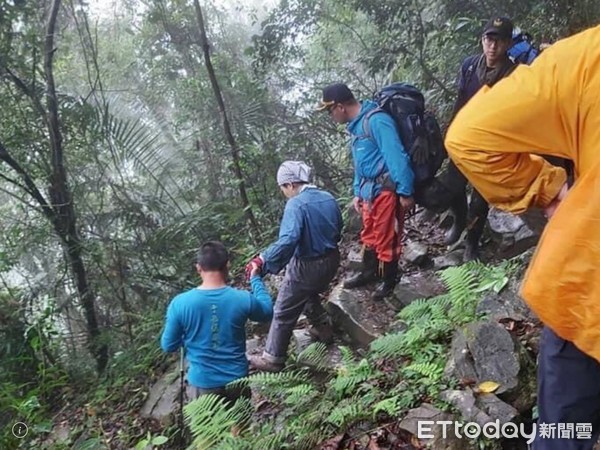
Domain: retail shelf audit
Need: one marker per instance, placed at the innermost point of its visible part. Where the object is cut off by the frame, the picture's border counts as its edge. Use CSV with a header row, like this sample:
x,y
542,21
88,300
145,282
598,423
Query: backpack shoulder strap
x,y
468,69
365,123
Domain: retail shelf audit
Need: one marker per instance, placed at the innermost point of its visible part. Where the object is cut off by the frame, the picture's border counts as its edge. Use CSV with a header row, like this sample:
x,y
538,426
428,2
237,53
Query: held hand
x,y
407,203
357,203
254,267
551,208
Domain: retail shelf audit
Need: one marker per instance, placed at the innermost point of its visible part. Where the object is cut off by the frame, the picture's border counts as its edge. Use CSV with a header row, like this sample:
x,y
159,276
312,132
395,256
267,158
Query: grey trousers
x,y
231,395
303,282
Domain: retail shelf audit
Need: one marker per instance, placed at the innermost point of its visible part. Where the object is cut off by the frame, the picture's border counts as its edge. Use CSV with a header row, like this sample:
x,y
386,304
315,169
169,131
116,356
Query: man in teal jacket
x,y
209,322
382,187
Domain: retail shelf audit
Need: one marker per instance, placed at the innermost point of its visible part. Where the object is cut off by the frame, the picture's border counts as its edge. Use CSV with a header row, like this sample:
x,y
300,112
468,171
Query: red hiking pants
x,y
383,226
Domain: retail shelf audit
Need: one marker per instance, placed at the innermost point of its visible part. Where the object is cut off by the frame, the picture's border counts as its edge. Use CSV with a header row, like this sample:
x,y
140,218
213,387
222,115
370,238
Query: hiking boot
x,y
322,333
458,209
471,252
368,272
264,365
390,278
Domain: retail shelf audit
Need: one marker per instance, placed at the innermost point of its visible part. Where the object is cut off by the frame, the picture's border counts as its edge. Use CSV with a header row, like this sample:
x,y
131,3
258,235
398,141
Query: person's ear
x,y
198,268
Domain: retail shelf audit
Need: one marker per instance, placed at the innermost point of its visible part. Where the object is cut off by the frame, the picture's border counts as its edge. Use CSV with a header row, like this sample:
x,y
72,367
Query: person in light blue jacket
x,y
209,321
310,230
382,187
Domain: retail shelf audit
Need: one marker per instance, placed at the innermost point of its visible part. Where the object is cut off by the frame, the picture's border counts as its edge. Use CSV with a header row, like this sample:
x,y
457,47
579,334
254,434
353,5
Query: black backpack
x,y
418,129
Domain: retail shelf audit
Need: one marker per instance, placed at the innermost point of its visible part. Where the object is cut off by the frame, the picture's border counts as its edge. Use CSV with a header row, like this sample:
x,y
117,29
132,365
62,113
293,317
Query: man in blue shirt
x,y
310,230
209,322
383,184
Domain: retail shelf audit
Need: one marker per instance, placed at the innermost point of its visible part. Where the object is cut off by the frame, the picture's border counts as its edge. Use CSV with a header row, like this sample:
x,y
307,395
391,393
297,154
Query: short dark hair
x,y
212,257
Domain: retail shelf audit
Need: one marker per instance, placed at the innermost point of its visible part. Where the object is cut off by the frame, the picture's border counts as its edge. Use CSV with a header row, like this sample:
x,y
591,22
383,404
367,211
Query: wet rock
x,y
513,234
253,346
163,398
460,363
302,339
344,307
416,253
507,305
496,408
485,351
439,441
494,354
414,287
354,259
481,409
451,259
353,223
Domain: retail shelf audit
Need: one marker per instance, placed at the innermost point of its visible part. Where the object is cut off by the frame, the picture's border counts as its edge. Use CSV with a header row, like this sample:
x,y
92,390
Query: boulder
x,y
302,339
163,398
485,351
354,259
415,253
440,440
353,222
481,409
344,308
450,259
514,234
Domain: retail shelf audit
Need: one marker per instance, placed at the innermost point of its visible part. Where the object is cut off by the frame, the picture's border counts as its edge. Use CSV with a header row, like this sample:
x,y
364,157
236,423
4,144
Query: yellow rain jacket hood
x,y
552,108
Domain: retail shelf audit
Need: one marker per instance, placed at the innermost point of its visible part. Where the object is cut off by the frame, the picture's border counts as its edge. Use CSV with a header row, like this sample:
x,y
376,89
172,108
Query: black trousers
x,y
568,396
448,190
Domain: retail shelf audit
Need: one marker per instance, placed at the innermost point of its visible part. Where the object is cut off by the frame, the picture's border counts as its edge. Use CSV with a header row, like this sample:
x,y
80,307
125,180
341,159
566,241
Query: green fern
x,y
388,345
210,420
315,355
433,371
301,393
390,406
346,413
278,379
266,438
348,358
348,378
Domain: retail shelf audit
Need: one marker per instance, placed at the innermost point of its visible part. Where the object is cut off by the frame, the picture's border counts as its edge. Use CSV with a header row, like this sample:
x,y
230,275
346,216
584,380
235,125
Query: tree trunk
x,y
235,155
61,201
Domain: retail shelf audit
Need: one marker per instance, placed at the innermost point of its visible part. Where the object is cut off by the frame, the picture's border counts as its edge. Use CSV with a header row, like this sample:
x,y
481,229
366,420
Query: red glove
x,y
250,266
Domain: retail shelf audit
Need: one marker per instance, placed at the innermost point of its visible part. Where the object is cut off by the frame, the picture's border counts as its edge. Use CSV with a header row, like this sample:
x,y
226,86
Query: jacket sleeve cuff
x,y
557,179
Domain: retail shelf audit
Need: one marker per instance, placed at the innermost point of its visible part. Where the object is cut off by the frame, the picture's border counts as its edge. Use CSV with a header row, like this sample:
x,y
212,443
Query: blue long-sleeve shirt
x,y
311,225
210,325
374,156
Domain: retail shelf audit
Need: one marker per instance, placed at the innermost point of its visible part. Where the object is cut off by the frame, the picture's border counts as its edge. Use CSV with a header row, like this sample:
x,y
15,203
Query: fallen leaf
x,y
373,444
488,387
333,443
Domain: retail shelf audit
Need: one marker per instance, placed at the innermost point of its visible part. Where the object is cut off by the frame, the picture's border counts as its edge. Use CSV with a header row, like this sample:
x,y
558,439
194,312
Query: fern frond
x,y
461,282
348,358
210,420
388,345
344,415
347,380
390,406
299,394
279,379
433,371
315,355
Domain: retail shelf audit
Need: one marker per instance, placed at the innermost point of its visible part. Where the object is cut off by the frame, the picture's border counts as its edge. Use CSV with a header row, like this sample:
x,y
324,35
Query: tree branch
x,y
237,170
30,186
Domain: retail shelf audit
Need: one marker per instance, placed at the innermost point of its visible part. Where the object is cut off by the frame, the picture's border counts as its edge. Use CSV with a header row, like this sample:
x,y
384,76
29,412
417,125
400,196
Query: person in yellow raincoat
x,y
549,108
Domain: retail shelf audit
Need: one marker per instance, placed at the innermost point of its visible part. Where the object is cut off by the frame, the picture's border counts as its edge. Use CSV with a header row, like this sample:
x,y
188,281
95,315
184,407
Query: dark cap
x,y
499,26
335,93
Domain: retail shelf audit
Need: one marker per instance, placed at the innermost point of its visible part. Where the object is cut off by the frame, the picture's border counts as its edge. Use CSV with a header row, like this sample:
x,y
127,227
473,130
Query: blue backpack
x,y
418,128
522,50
